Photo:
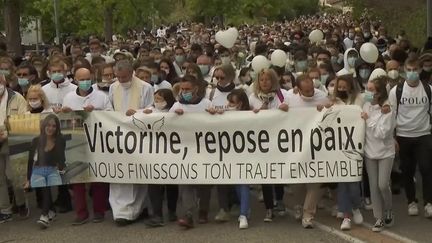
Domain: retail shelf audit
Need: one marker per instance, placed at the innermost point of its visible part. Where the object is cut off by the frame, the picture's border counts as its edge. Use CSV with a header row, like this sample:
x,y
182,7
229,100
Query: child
x,y
238,100
163,101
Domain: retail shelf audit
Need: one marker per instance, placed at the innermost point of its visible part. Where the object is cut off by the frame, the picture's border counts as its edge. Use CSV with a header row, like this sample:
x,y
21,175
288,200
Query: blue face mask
x,y
368,96
154,78
364,73
57,77
412,75
23,82
324,78
351,61
187,96
204,69
85,85
180,59
301,66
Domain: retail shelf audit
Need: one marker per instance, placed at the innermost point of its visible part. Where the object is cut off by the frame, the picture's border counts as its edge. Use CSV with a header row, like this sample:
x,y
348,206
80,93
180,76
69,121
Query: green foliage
x,y
82,18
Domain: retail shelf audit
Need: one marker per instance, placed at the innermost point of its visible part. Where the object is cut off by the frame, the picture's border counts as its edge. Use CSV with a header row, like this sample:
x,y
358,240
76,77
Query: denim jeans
x,y
243,194
43,176
348,197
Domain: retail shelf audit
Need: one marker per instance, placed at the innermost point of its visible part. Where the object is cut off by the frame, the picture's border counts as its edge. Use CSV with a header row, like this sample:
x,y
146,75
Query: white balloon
x,y
369,52
316,36
227,38
259,63
278,58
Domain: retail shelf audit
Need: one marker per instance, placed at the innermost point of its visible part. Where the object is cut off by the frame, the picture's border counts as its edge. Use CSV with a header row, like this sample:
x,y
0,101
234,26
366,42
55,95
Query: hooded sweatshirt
x,y
347,69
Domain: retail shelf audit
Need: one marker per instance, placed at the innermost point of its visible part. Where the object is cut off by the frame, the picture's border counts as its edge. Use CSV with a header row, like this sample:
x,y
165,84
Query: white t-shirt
x,y
163,85
56,94
200,107
412,119
219,99
296,100
256,103
96,98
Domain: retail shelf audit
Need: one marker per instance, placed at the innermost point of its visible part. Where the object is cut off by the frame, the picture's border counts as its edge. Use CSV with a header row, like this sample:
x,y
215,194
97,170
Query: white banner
x,y
299,146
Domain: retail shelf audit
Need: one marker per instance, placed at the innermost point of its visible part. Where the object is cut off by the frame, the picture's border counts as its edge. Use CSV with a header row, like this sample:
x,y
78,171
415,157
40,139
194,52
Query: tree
x,y
11,12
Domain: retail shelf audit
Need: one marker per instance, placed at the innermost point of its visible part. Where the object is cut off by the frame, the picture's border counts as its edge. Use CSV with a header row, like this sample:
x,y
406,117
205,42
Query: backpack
x,y
427,88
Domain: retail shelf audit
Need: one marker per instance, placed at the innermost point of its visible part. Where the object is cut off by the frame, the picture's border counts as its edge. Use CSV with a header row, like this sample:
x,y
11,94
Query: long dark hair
x,y
172,75
168,96
43,136
241,96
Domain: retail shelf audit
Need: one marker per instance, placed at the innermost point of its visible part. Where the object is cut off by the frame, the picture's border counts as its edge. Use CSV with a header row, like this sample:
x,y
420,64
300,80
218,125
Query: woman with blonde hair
x,y
37,101
268,95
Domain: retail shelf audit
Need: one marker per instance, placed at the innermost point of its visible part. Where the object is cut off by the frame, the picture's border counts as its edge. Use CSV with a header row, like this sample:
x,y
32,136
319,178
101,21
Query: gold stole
x,y
134,95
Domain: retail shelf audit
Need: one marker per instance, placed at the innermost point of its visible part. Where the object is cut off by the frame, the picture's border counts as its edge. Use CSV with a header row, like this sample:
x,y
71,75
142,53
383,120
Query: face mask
x,y
368,96
351,35
2,89
301,66
367,35
412,76
4,72
343,94
23,82
204,69
364,73
160,105
334,59
154,78
306,98
287,86
331,90
351,61
187,96
317,83
393,74
157,61
231,108
85,85
35,104
180,59
56,77
427,69
225,60
95,54
324,78
126,85
319,63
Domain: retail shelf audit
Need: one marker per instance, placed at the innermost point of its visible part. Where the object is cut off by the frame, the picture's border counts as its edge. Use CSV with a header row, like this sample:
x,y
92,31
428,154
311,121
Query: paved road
x,y
283,229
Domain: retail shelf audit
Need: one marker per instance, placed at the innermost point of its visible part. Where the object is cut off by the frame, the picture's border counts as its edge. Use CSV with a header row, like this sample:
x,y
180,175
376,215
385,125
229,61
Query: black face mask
x,y
343,94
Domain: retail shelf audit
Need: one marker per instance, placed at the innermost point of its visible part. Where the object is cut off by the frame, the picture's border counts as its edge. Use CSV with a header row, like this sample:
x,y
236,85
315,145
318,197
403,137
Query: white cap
x,y
379,72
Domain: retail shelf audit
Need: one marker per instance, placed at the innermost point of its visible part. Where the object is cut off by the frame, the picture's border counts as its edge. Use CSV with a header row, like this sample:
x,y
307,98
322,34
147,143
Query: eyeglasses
x,y
219,78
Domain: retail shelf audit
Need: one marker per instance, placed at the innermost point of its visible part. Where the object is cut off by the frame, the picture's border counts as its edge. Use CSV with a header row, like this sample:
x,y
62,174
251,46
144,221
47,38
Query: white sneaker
x,y
339,215
428,210
357,216
298,212
346,224
51,215
379,226
334,211
368,204
307,223
222,216
413,209
243,222
43,221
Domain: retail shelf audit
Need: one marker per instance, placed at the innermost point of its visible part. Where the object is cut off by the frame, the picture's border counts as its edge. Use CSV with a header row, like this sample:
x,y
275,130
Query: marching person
x,y
128,94
379,150
88,99
411,101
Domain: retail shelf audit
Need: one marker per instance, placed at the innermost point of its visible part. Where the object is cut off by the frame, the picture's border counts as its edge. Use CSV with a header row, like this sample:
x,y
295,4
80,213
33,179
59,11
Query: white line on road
x,y
333,231
392,235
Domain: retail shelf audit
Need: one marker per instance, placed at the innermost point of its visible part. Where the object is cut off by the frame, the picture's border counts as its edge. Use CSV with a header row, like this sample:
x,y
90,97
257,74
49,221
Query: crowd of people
x,y
183,69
